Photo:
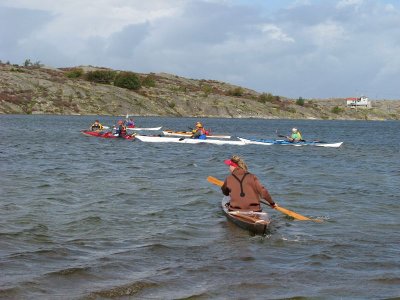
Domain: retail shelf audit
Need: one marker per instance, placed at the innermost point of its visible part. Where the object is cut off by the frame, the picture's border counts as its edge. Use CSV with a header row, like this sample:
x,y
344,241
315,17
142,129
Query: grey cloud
x,y
17,25
316,50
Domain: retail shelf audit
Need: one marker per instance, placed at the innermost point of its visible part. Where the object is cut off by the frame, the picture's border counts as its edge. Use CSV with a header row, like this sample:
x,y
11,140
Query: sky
x,y
291,48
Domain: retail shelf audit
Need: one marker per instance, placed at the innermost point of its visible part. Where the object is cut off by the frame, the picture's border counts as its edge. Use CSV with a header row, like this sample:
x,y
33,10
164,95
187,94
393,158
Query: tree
x,y
27,63
300,101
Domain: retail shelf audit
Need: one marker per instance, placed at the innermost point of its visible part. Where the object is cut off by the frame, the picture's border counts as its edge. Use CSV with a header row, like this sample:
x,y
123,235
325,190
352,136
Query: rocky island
x,y
87,90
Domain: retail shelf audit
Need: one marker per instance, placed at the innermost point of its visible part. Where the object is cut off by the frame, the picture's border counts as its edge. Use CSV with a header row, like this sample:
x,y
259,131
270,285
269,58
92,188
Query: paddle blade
x,y
291,213
215,181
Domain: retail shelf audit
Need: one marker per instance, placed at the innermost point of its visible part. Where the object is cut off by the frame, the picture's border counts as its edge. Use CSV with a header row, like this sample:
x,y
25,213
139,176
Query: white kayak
x,y
189,134
165,139
284,142
144,128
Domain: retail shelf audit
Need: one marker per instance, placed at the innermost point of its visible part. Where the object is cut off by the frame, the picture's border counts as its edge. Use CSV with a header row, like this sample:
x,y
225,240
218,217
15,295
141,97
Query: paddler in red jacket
x,y
243,187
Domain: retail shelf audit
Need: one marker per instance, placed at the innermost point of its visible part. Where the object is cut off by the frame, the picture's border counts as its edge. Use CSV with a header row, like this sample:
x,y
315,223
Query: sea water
x,y
89,218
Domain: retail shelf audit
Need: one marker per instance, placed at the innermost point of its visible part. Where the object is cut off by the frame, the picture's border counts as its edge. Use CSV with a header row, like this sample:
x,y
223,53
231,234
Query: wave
x,y
126,290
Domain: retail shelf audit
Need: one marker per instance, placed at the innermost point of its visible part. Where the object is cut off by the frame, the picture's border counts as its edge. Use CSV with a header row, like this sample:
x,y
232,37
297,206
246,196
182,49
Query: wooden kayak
x,y
255,222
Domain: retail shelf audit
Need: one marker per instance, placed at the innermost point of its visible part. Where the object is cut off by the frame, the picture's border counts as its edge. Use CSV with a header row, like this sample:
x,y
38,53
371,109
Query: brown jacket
x,y
245,196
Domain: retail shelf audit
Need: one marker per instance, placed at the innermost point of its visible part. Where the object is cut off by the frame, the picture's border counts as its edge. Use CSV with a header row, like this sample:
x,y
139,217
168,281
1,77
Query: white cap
x,y
294,129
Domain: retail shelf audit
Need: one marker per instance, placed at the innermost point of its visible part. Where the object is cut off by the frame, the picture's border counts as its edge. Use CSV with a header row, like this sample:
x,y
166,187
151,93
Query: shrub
x,y
149,81
207,89
237,92
266,97
128,80
74,73
337,110
300,101
100,76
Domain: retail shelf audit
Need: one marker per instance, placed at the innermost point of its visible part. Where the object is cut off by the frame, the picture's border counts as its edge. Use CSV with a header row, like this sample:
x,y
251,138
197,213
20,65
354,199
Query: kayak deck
x,y
143,128
182,140
106,135
189,134
255,222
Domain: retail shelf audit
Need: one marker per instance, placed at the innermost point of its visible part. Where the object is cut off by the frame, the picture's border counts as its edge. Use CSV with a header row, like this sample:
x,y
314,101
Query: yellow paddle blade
x,y
215,181
285,211
292,214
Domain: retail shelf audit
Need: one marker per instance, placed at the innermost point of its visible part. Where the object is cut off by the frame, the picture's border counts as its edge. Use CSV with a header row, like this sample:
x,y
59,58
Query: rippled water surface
x,y
89,218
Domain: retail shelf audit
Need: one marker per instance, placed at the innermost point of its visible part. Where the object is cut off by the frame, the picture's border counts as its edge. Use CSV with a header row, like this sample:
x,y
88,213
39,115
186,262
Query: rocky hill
x,y
43,90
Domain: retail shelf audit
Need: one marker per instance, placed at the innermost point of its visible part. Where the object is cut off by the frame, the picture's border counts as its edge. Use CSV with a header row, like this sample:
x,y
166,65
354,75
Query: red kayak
x,y
106,135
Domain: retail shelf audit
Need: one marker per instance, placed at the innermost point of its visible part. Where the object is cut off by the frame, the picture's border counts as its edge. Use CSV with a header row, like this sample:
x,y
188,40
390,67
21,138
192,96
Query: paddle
x,y
290,213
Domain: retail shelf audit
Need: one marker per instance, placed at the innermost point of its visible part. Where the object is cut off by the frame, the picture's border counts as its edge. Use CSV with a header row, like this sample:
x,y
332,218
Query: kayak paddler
x,y
130,123
243,187
295,136
120,129
199,132
96,126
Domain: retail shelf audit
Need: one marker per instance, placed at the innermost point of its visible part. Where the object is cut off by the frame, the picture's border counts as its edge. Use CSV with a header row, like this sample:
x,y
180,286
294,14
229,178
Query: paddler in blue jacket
x,y
120,129
199,132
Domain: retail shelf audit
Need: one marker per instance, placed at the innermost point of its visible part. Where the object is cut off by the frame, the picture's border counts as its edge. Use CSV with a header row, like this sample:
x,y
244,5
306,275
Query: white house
x,y
358,102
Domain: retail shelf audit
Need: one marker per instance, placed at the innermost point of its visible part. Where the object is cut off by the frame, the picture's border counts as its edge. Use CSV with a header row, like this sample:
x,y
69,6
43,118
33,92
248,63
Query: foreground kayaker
x,y
96,126
244,188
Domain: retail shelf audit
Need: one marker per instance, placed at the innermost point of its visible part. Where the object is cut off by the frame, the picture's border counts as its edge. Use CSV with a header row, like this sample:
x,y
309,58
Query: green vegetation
x,y
100,76
128,80
149,81
266,97
207,89
337,110
74,73
300,101
291,110
17,70
237,92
